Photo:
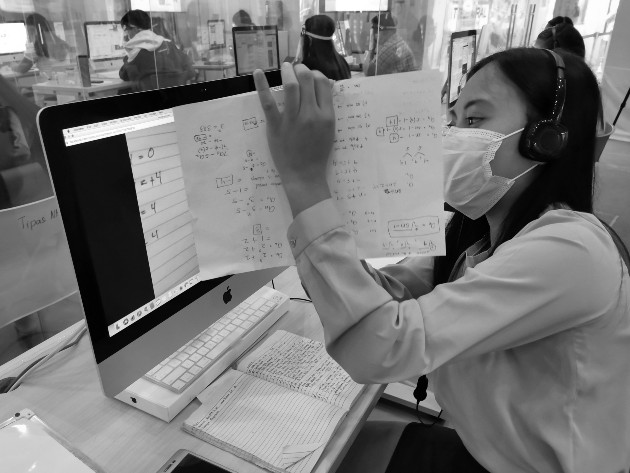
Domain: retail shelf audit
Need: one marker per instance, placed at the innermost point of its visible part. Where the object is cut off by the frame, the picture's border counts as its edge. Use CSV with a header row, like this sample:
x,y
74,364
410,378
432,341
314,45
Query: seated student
x,y
318,50
560,33
44,48
388,53
524,325
152,61
242,18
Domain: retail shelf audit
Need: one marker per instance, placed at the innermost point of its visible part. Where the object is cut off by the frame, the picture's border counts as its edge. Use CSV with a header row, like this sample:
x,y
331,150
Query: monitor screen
x,y
463,53
157,5
255,47
13,37
117,176
355,5
104,40
216,34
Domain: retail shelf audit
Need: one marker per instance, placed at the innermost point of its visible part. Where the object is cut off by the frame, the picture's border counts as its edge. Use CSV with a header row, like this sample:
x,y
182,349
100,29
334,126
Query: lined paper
x,y
163,206
266,424
301,364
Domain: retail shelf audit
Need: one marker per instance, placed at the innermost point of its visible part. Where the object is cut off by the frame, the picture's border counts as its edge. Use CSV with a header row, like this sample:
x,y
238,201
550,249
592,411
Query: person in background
x,y
242,18
388,52
318,49
524,325
44,48
152,61
560,33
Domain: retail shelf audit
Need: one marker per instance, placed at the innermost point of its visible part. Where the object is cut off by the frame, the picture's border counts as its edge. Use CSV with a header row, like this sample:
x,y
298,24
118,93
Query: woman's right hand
x,y
301,136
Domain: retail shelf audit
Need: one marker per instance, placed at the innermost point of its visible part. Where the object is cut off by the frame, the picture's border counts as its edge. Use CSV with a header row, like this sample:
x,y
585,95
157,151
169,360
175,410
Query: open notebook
x,y
280,406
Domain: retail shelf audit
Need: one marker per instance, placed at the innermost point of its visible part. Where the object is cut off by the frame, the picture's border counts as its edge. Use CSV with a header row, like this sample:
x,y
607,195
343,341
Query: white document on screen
x,y
385,174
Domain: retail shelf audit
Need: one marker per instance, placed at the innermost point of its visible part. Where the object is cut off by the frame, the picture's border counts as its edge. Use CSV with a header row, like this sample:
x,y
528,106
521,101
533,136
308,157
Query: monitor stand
x,y
165,404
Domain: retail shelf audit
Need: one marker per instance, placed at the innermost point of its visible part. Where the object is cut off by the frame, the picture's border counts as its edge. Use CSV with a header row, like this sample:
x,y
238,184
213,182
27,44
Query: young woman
x,y
524,326
318,50
44,47
560,33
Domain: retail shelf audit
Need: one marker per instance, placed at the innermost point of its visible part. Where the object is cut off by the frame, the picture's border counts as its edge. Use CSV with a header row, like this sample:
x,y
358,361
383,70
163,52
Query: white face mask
x,y
469,185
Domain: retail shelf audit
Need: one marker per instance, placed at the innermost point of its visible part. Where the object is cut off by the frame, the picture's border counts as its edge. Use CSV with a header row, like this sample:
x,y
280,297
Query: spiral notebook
x,y
280,406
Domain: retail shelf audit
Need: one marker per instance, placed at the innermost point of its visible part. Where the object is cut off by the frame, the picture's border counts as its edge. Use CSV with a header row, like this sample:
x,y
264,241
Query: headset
x,y
544,140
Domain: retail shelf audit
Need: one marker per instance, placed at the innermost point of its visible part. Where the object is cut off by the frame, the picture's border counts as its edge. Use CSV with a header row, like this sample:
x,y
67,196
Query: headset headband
x,y
561,87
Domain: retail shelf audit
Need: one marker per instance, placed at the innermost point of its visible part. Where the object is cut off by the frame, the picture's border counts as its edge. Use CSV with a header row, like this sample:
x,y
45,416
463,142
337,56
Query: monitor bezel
x,y
454,36
87,40
51,122
25,29
239,29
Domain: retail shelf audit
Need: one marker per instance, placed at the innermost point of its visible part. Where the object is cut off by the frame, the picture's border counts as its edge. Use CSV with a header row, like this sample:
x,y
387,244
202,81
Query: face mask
x,y
469,185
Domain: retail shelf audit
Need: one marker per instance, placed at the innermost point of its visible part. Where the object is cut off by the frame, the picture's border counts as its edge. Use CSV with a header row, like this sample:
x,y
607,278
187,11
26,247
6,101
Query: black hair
x,y
321,55
138,18
569,179
47,43
560,33
242,18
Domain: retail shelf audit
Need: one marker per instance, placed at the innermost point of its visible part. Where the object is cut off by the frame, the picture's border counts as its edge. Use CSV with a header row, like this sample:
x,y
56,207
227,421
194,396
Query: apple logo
x,y
227,295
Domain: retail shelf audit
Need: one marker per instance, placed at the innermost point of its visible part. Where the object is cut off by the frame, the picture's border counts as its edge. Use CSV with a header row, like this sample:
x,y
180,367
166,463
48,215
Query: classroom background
x,y
57,51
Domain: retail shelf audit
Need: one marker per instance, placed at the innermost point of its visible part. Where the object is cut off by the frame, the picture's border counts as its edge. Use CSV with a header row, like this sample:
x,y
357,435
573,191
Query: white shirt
x,y
529,350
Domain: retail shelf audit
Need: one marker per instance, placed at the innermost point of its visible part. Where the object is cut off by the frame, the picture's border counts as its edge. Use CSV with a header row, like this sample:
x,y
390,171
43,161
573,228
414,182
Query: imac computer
x,y
117,176
105,44
255,47
463,53
13,40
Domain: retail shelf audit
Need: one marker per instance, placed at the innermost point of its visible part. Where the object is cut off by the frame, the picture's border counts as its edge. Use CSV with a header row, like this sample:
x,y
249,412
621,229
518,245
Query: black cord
x,y
420,419
7,383
273,286
301,299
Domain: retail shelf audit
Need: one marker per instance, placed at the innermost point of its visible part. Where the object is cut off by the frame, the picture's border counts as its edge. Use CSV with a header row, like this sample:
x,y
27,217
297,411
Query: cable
x,y
301,299
75,337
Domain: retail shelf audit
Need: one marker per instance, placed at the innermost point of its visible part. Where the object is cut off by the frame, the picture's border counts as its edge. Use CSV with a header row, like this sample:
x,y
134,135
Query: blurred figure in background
x,y
242,18
560,33
318,49
152,61
44,47
388,53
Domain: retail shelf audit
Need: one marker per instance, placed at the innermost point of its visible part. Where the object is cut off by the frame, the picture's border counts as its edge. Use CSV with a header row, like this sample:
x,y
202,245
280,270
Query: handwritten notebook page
x,y
301,364
264,423
385,174
163,206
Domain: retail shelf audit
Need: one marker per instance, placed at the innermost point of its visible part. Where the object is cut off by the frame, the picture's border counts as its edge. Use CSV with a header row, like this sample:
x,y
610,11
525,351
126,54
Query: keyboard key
x,y
161,374
196,357
174,375
187,364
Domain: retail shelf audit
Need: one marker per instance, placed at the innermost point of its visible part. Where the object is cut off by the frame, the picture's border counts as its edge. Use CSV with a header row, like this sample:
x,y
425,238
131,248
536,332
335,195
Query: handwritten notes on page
x,y
35,265
166,219
385,174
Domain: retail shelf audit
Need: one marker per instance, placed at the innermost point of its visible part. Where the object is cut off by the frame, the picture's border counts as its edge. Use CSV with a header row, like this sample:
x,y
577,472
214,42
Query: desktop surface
x,y
66,394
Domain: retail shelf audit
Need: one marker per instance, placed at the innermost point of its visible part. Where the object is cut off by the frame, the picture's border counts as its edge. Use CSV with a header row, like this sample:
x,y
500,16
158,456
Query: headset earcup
x,y
543,140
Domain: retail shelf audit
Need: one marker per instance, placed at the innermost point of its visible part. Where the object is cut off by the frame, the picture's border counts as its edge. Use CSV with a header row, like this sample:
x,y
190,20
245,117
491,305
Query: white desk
x,y
215,71
66,92
66,394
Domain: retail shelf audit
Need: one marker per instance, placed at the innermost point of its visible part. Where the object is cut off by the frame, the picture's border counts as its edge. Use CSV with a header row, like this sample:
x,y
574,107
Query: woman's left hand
x,y
301,137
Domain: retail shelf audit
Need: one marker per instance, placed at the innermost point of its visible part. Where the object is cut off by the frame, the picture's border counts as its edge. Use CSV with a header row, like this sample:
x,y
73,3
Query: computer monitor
x,y
157,5
255,47
216,34
13,38
105,43
116,172
462,56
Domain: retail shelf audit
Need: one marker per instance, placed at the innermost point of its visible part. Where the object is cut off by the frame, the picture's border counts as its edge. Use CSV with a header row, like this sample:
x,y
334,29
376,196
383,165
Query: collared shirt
x,y
528,350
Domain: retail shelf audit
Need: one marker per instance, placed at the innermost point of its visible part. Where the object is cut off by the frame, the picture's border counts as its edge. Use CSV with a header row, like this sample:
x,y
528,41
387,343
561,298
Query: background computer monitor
x,y
13,38
104,43
105,221
255,47
462,57
157,5
216,34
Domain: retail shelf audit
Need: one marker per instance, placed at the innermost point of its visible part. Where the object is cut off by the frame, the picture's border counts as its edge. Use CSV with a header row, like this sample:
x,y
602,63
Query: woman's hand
x,y
301,137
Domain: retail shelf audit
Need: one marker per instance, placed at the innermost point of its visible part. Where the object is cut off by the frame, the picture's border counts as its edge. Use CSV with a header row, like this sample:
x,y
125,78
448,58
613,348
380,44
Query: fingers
x,y
307,87
323,92
267,101
291,90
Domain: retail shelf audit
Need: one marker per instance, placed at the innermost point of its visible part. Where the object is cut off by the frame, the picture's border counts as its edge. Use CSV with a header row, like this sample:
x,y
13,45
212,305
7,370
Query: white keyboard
x,y
255,314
